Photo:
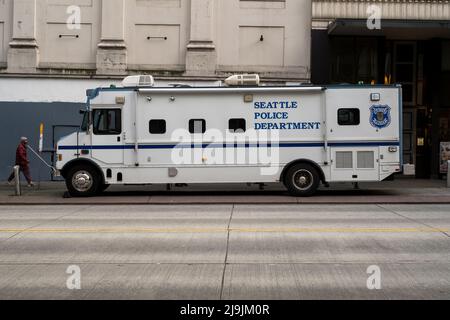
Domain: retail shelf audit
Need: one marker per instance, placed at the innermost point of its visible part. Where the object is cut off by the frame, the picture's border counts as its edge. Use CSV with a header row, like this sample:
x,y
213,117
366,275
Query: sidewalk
x,y
401,191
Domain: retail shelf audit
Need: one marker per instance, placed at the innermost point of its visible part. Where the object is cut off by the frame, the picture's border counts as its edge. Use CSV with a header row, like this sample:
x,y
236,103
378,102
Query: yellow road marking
x,y
224,230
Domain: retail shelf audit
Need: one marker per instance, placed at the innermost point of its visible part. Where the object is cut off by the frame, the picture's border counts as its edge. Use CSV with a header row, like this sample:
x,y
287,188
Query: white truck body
x,y
187,135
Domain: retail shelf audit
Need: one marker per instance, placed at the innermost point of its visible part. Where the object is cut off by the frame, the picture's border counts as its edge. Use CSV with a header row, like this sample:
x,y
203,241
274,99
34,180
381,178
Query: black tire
x,y
302,180
83,181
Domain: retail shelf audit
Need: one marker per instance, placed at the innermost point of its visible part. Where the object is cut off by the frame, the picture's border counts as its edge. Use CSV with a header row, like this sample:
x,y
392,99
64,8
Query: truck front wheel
x,y
302,180
82,181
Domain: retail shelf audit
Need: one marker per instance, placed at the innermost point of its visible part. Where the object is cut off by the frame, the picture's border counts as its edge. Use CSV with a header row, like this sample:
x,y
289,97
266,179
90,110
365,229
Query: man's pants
x,y
26,172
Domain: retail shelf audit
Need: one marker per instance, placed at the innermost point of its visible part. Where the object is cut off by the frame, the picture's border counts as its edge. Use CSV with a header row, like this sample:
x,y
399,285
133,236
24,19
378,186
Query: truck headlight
x,y
393,149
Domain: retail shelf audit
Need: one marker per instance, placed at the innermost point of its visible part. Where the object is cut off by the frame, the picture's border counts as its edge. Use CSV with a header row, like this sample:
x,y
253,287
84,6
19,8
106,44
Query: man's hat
x,y
24,139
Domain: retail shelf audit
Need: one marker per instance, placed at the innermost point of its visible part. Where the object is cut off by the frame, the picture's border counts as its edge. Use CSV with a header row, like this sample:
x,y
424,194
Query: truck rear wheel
x,y
302,180
83,181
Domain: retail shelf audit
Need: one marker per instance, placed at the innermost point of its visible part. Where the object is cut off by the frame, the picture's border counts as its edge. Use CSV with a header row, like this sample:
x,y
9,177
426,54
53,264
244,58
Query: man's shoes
x,y
10,183
30,185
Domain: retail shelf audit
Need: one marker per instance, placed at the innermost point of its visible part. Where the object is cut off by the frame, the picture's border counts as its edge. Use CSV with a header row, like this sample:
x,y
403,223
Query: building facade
x,y
392,41
186,39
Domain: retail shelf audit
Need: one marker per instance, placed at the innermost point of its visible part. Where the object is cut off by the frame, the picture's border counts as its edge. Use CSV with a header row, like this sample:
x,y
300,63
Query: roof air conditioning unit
x,y
243,80
138,81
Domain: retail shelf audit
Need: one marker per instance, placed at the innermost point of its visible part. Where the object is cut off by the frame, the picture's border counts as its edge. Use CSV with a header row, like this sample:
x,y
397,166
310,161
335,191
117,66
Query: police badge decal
x,y
380,116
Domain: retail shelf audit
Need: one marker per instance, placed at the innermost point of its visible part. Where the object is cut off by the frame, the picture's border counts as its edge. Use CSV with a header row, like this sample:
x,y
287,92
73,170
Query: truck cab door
x,y
107,139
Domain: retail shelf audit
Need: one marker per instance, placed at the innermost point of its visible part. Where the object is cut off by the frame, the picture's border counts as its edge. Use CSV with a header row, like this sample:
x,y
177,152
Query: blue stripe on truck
x,y
247,145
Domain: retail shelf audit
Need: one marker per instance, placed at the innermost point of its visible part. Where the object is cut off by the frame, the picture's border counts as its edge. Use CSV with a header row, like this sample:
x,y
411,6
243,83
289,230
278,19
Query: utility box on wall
x,y
409,170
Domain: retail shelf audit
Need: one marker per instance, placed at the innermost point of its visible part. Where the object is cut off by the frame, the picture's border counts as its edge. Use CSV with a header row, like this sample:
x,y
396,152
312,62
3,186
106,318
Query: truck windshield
x,y
85,123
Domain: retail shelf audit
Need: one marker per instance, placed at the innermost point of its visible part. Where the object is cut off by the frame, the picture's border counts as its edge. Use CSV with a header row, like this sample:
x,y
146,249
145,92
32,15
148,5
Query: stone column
x,y
23,53
112,50
201,56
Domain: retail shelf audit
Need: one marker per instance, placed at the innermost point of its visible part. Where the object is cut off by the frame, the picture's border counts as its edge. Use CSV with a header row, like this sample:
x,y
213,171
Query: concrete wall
x,y
23,119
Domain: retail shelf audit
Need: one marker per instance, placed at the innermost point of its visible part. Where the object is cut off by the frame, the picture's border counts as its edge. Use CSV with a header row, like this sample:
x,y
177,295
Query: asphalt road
x,y
225,252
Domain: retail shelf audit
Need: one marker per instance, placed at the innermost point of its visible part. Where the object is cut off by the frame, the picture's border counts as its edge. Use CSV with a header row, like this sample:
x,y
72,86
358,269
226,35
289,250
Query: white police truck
x,y
243,132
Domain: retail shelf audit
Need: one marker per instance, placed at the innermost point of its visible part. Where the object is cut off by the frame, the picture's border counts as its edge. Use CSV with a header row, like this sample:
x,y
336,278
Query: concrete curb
x,y
218,203
417,192
230,201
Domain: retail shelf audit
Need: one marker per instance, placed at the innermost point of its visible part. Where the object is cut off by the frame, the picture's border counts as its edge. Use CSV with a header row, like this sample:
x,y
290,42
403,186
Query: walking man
x,y
22,162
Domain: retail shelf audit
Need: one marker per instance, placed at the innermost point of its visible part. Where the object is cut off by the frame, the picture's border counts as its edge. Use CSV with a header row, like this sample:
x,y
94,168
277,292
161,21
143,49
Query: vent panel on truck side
x,y
344,160
366,160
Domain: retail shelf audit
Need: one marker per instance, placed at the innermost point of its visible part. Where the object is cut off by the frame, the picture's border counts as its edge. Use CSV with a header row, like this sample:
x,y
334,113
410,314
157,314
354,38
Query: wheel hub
x,y
303,179
82,181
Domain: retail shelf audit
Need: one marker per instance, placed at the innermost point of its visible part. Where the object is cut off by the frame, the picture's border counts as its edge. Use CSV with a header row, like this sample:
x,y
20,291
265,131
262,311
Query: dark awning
x,y
394,29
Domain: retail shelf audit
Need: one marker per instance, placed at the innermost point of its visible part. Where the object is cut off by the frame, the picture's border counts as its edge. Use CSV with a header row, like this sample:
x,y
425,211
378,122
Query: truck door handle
x,y
118,139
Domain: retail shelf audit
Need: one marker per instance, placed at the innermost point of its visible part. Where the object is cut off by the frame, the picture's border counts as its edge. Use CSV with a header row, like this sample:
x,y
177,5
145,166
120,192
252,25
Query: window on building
x,y
445,55
157,126
405,70
237,125
348,117
354,59
107,121
197,126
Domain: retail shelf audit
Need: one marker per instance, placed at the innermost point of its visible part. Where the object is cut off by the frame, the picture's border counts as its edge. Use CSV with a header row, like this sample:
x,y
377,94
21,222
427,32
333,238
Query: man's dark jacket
x,y
21,155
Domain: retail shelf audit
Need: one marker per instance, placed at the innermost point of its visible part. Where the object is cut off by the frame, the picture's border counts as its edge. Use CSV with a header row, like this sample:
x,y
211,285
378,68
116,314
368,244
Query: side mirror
x,y
82,111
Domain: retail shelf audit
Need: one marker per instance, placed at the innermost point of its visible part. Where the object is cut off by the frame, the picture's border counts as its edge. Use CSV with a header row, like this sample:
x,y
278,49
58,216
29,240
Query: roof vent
x,y
180,85
138,81
243,80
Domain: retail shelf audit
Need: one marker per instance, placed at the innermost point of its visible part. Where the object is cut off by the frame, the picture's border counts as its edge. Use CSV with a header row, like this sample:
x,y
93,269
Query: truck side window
x,y
197,126
237,125
107,121
349,117
157,126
